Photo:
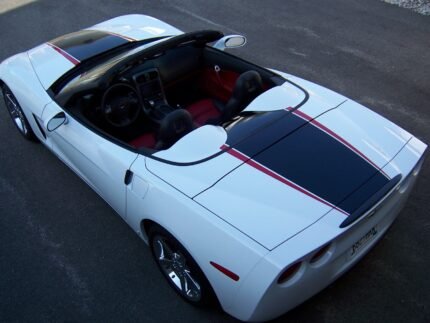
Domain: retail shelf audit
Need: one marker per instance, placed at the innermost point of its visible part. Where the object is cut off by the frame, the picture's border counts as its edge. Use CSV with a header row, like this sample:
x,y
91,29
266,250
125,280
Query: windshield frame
x,y
96,61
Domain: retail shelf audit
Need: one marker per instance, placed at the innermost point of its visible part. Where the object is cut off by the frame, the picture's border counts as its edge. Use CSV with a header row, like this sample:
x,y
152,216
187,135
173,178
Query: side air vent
x,y
39,126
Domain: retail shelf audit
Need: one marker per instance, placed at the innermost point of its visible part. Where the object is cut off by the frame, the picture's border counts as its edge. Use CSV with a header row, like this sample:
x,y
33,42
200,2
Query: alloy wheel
x,y
15,111
174,265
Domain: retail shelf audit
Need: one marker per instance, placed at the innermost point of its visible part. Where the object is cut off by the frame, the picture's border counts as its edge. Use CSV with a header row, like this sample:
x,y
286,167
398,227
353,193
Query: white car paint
x,y
17,73
101,163
260,287
137,27
277,98
191,223
196,145
193,178
276,214
43,57
366,131
260,206
247,222
49,66
320,100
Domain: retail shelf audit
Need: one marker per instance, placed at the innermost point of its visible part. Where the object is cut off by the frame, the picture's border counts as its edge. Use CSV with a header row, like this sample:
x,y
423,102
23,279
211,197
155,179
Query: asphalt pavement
x,y
66,256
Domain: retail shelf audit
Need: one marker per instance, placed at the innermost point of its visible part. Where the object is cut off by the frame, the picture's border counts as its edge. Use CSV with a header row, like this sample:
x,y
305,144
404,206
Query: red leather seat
x,y
203,110
147,140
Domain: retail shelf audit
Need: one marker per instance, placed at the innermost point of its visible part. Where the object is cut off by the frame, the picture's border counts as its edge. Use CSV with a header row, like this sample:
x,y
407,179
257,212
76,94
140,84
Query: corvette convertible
x,y
253,188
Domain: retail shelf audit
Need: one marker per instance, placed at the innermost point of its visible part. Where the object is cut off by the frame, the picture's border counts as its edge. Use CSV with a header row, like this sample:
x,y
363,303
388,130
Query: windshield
x,y
96,66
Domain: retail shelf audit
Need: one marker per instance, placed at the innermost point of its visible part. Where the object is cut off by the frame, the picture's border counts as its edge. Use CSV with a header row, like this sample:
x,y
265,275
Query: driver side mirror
x,y
56,121
230,41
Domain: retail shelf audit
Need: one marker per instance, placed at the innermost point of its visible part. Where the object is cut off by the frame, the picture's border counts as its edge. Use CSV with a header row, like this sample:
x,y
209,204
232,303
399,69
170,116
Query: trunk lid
x,y
300,168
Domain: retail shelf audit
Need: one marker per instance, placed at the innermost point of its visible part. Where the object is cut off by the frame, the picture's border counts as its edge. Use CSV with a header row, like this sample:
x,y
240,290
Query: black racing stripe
x,y
362,194
367,204
315,161
257,131
85,44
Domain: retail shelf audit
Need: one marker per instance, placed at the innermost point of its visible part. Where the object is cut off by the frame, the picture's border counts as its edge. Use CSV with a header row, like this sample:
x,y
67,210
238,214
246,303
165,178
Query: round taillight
x,y
289,272
319,254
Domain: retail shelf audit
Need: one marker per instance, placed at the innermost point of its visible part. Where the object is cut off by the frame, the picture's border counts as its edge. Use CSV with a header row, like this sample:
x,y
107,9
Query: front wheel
x,y
179,268
17,115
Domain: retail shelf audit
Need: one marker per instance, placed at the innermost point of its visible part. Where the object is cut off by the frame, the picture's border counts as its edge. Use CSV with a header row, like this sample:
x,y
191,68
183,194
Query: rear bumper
x,y
262,298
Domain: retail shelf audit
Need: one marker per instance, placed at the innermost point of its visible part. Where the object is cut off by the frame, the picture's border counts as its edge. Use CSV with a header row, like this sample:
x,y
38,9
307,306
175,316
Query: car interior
x,y
153,103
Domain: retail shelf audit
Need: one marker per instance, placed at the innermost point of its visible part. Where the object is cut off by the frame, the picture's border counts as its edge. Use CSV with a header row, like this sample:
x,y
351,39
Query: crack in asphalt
x,y
197,16
300,29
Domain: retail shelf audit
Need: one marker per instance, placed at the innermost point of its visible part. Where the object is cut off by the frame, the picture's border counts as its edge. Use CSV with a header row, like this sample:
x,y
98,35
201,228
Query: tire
x,y
180,269
17,115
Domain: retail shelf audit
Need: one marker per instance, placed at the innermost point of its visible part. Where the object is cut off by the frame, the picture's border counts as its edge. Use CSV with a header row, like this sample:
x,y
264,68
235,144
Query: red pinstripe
x,y
336,136
276,176
69,57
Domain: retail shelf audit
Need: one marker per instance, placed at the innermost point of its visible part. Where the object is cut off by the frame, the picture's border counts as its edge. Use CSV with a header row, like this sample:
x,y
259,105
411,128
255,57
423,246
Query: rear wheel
x,y
179,268
17,115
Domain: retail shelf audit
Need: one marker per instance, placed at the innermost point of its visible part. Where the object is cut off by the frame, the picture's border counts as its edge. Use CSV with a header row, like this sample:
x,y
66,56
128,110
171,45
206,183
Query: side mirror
x,y
230,41
56,121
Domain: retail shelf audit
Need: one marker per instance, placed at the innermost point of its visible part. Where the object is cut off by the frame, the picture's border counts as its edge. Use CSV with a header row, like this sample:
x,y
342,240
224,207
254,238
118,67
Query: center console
x,y
150,89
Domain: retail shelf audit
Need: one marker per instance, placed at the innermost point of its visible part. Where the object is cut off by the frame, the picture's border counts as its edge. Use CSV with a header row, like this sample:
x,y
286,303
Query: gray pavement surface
x,y
66,256
420,6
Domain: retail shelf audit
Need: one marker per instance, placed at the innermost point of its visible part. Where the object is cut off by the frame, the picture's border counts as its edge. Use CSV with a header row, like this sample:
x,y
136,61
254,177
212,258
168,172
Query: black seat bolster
x,y
219,105
248,86
173,127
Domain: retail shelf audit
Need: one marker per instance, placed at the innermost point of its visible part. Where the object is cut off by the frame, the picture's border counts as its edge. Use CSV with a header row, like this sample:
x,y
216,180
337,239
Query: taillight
x,y
319,254
289,272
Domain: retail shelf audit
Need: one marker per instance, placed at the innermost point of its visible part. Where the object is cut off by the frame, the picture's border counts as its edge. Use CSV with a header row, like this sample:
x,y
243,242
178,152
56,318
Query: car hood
x,y
53,59
327,155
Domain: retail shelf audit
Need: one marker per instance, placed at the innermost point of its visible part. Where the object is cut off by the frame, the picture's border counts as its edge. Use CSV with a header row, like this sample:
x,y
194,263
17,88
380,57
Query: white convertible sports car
x,y
253,188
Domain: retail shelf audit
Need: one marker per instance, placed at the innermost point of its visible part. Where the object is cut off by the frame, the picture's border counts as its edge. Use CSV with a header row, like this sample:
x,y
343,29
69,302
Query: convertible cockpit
x,y
152,97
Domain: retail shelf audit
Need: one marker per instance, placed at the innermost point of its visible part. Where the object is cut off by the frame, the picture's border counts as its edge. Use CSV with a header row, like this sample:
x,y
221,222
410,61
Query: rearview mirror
x,y
56,121
230,41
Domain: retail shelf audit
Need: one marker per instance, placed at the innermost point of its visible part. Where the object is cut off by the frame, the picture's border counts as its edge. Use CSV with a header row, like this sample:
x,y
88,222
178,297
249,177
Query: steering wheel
x,y
120,105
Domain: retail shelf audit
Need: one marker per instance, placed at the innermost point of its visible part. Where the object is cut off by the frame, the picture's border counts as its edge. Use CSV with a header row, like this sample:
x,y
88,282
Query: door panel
x,y
101,163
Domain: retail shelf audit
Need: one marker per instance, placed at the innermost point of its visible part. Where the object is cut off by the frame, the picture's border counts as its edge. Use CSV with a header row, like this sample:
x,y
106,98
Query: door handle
x,y
128,177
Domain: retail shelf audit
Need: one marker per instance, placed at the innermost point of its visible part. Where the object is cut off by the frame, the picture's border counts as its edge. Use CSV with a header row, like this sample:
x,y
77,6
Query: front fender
x,y
18,74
